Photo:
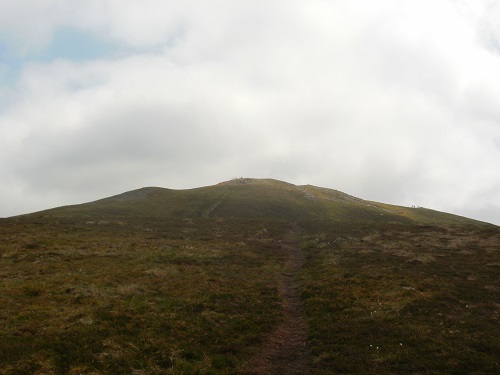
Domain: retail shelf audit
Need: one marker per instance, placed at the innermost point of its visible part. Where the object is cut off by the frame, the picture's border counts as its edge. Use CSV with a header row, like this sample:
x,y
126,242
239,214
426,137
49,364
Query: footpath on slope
x,y
286,349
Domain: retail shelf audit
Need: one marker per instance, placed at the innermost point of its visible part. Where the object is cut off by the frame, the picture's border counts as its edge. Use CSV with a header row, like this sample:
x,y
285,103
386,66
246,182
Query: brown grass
x,y
169,282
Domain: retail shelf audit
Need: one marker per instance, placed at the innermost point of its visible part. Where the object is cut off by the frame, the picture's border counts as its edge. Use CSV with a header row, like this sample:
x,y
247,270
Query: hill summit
x,y
251,198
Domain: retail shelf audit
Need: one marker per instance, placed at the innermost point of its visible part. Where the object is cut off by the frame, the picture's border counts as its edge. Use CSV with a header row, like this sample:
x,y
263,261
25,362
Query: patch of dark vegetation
x,y
114,299
402,299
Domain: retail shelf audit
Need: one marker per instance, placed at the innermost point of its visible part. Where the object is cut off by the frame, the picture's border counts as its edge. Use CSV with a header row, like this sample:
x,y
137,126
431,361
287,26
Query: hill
x,y
253,199
247,276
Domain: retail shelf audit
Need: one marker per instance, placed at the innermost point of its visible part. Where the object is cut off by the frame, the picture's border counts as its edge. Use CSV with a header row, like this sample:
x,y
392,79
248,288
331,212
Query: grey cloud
x,y
336,94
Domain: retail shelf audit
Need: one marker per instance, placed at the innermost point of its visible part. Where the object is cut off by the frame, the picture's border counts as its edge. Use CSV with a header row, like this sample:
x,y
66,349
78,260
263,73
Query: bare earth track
x,y
286,350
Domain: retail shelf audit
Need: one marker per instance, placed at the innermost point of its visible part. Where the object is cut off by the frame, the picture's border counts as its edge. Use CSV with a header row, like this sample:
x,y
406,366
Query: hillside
x,y
253,199
247,277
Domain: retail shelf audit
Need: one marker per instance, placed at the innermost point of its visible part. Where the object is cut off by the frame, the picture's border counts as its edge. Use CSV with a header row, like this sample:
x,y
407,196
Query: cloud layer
x,y
387,100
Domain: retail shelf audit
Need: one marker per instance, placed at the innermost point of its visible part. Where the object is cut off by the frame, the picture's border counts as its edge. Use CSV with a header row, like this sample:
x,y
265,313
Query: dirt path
x,y
286,351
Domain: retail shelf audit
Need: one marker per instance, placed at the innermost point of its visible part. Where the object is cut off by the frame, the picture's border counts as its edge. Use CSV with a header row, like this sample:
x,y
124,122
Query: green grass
x,y
112,299
159,281
403,299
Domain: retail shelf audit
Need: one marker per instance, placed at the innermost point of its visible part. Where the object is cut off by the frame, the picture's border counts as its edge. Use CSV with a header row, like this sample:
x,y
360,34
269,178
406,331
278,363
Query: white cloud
x,y
392,101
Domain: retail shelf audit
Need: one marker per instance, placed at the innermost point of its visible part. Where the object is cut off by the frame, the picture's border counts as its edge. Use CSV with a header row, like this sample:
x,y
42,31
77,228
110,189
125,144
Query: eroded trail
x,y
285,350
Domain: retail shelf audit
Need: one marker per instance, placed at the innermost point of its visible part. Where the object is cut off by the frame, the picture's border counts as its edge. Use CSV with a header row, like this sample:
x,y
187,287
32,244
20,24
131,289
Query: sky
x,y
388,100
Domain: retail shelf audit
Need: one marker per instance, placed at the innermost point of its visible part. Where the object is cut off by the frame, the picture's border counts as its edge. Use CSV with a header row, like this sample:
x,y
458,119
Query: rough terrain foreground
x,y
219,280
286,349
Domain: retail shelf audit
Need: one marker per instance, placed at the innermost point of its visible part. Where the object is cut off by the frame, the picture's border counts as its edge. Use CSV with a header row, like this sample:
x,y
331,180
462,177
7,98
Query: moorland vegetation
x,y
247,276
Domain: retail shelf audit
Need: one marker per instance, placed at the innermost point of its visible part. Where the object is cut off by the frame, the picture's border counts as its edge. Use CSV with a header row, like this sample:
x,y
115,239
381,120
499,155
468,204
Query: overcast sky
x,y
388,100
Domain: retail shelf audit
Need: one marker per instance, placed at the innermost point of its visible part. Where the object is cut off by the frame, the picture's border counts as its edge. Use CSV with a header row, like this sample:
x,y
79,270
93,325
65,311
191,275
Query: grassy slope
x,y
165,281
403,298
252,198
150,296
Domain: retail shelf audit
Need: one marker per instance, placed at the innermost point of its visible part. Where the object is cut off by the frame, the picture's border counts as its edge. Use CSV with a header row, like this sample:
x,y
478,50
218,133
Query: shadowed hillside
x,y
248,276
